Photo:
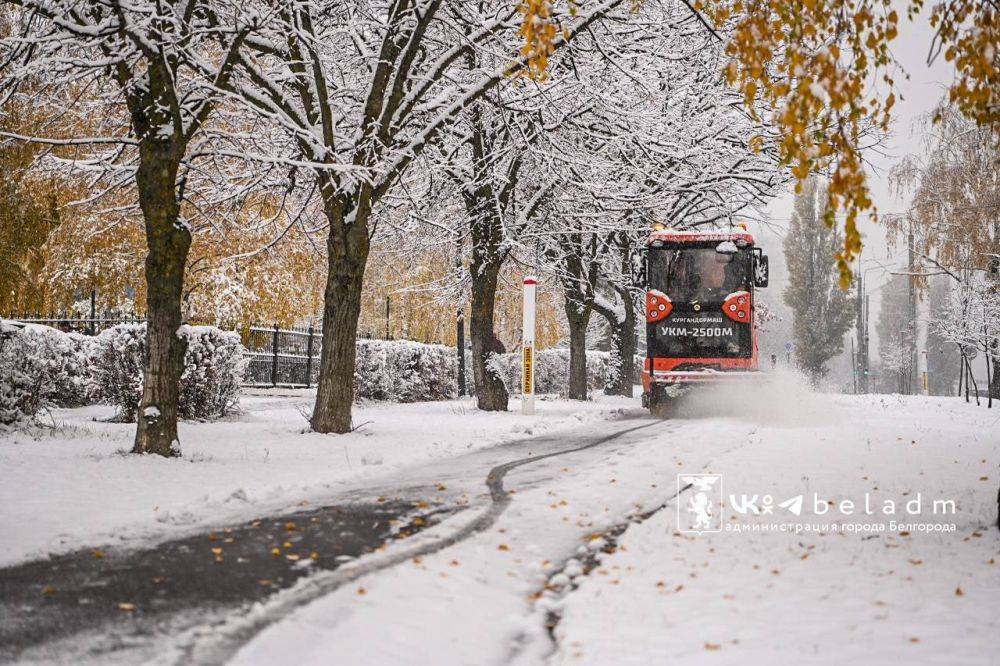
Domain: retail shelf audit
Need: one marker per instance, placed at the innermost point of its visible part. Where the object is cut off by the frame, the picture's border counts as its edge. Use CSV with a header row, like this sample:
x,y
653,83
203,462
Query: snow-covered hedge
x,y
214,367
551,370
403,371
118,356
41,367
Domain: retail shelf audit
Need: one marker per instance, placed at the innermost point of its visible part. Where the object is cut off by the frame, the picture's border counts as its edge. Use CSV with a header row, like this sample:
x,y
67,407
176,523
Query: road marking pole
x,y
528,347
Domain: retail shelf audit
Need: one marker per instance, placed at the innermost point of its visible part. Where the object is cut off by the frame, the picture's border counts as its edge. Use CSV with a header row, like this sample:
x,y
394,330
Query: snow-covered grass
x,y
662,596
75,484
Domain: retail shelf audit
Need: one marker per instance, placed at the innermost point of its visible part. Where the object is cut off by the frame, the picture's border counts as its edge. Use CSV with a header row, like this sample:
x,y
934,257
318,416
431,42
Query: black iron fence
x,y
282,356
73,323
286,356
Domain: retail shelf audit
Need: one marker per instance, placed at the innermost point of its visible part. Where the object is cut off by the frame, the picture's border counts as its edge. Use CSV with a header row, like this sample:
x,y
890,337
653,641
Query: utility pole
x,y
865,354
854,356
387,297
922,317
860,334
911,270
93,312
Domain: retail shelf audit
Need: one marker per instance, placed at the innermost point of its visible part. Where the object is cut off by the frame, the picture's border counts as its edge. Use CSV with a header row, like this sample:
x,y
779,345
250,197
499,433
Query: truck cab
x,y
700,322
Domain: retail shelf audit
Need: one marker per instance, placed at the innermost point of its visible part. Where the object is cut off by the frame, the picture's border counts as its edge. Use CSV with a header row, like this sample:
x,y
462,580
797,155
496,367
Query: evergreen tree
x,y
821,309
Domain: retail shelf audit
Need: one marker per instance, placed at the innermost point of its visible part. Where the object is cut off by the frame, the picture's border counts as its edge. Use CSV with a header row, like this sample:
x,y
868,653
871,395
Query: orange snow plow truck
x,y
700,322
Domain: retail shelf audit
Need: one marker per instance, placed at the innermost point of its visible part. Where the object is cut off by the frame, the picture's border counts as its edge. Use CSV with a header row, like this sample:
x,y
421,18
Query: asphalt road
x,y
126,597
127,606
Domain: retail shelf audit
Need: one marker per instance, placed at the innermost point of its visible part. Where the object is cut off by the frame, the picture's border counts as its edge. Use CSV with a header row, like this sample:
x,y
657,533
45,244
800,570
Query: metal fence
x,y
286,356
73,323
282,357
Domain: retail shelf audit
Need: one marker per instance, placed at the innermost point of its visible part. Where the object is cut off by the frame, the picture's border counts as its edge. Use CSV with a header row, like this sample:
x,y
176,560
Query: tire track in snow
x,y
611,535
219,642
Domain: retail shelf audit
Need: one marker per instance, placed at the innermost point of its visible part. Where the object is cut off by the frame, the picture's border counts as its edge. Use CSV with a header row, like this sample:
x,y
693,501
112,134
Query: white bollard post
x,y
528,347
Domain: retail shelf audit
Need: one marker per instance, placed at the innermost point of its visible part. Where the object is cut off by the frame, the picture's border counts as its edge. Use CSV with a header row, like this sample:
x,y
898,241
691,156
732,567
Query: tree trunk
x,y
995,380
623,337
487,233
578,317
491,393
347,255
168,242
621,368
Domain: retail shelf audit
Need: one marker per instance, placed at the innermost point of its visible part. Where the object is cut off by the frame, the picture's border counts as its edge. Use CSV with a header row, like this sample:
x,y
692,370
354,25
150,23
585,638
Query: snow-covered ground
x,y
661,596
872,597
72,485
587,564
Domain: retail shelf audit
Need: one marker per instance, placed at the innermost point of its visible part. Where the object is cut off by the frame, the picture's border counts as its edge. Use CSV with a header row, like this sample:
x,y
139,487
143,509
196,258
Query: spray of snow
x,y
782,398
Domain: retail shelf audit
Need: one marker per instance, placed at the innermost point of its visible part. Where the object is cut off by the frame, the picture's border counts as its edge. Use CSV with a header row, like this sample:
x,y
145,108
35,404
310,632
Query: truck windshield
x,y
698,274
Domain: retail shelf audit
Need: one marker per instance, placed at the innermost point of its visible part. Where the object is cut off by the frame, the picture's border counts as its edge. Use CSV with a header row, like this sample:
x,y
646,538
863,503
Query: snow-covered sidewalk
x,y
865,596
73,485
518,593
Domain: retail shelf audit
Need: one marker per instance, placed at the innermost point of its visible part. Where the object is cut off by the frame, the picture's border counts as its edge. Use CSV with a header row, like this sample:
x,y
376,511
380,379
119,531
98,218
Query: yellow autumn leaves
x,y
539,33
825,68
811,63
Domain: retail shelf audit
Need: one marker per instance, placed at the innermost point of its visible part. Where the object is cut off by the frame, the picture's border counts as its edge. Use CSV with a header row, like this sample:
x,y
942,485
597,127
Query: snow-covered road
x,y
582,557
